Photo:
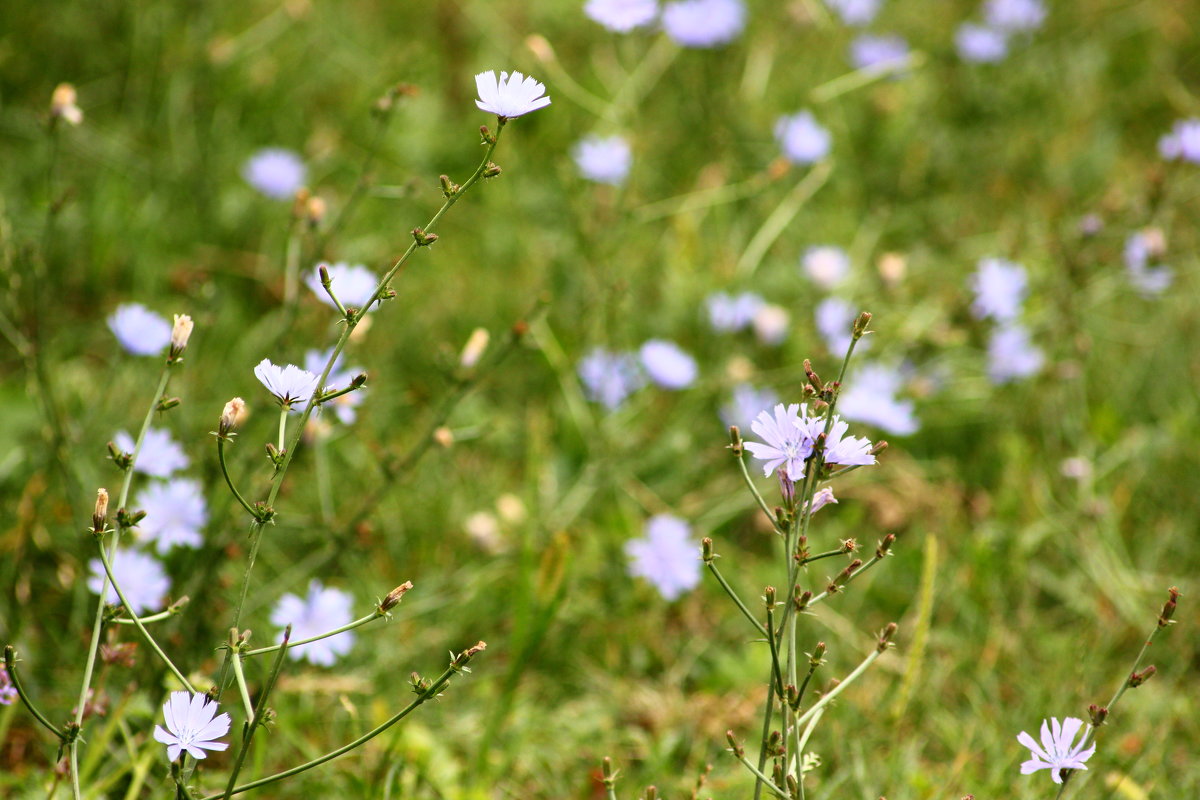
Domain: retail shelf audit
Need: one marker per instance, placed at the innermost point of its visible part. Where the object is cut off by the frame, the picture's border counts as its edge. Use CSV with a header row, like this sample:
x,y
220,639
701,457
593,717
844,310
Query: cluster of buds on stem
x,y
486,136
422,238
449,187
1098,714
491,170
129,519
419,685
119,457
801,599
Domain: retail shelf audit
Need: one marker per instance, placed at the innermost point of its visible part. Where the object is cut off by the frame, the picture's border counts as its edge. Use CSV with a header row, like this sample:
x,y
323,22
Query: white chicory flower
x,y
193,726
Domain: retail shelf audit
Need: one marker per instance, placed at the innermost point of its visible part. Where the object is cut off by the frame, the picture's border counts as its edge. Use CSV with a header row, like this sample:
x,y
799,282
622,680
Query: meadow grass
x,y
1020,593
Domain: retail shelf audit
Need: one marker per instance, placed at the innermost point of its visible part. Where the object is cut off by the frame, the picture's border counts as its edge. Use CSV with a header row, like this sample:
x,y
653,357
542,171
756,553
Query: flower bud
x,y
885,637
814,380
232,416
885,545
651,793
735,440
180,333
860,325
879,447
802,599
491,170
422,238
62,105
818,656
706,550
840,579
444,436
100,515
487,136
1168,610
1098,714
473,350
769,598
449,187
733,744
394,596
1136,679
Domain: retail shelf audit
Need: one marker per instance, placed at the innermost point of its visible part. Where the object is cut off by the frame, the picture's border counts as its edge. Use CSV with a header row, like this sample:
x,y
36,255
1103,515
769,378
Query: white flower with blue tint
x,y
140,330
275,172
320,611
746,404
175,514
345,406
855,12
510,95
603,159
827,265
727,313
608,378
160,457
847,451
1015,15
622,16
666,556
980,44
1057,750
353,284
869,396
704,23
667,364
802,139
879,53
1012,355
1183,142
786,440
140,576
1000,287
193,726
292,386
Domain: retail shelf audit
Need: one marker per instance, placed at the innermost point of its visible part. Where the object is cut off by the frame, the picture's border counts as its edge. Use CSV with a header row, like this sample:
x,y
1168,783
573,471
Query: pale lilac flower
x,y
321,611
160,457
141,577
980,44
842,449
732,312
1058,750
622,16
771,324
834,320
275,172
509,96
353,284
1011,355
140,330
827,265
667,364
855,12
1140,248
878,53
822,498
787,440
291,385
1000,287
746,404
345,406
870,396
193,726
704,23
802,139
8,692
1183,142
666,556
1151,281
175,514
603,159
1015,15
608,378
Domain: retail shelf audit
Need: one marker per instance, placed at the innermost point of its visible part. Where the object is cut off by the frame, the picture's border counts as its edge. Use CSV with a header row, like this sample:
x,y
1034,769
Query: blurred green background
x,y
1040,587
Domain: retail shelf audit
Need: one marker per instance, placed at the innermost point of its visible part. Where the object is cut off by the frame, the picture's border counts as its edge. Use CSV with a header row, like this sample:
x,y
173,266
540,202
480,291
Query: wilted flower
x,y
667,364
746,404
622,16
1015,15
353,284
140,330
826,265
771,324
823,498
704,23
141,577
732,312
321,611
193,726
275,172
608,378
1057,750
512,95
290,385
1011,355
1000,288
1183,142
878,53
346,405
981,43
787,440
666,556
160,457
855,12
870,396
603,159
175,513
802,139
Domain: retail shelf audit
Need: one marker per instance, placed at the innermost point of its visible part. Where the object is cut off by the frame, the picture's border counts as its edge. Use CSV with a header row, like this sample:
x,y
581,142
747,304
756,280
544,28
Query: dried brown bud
x,y
1168,610
1136,679
100,515
394,597
885,637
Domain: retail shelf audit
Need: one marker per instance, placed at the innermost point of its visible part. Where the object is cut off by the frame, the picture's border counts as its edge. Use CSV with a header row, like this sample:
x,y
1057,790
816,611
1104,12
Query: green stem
x,y
240,677
10,665
828,554
229,480
741,459
348,626
841,687
853,576
256,713
763,780
283,415
758,626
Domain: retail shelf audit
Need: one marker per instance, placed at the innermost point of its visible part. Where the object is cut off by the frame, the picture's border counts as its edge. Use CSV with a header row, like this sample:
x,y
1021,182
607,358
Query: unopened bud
x,y
769,598
422,238
793,786
885,637
610,774
232,416
323,274
180,333
358,381
792,695
813,379
119,457
733,744
840,579
449,188
860,325
818,655
100,515
706,550
879,447
1136,679
487,136
394,597
1098,714
651,793
491,170
167,403
802,599
460,661
735,440
1168,610
62,105
473,350
885,545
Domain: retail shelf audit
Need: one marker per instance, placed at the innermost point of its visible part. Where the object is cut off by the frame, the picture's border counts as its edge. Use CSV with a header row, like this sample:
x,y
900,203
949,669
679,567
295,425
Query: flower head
x,y
1015,15
160,456
847,451
1140,248
175,513
275,172
290,385
665,556
140,330
321,611
608,378
787,441
704,23
771,324
1011,355
603,159
827,265
1183,142
1000,287
855,12
141,577
802,139
622,16
352,283
509,96
878,53
746,404
667,364
1057,750
193,725
732,312
834,318
981,44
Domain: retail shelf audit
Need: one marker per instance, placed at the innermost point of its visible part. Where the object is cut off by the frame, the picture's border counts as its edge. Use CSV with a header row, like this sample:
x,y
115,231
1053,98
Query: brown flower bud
x,y
100,515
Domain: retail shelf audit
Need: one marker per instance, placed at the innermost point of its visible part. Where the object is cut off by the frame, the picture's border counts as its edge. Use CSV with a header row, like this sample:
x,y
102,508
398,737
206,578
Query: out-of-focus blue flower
x,y
667,364
771,323
1011,355
728,313
603,159
161,456
666,556
855,12
141,577
878,53
746,404
511,95
8,692
826,264
980,43
622,16
834,320
802,139
140,330
320,611
1015,15
339,378
352,283
1183,142
704,23
175,514
870,396
275,172
608,378
1000,287
1140,248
